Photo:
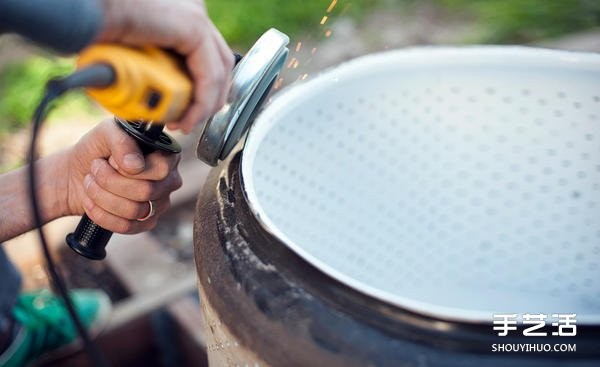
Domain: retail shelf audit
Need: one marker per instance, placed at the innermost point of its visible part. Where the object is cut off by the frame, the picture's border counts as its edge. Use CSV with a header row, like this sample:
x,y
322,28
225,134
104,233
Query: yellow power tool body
x,y
146,87
150,84
143,88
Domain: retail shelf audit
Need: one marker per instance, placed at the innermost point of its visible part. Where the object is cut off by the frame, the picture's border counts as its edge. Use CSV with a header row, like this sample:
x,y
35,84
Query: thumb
x,y
124,151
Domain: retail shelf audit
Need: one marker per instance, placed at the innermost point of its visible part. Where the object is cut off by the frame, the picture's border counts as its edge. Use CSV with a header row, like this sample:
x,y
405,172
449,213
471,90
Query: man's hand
x,y
112,181
104,175
183,26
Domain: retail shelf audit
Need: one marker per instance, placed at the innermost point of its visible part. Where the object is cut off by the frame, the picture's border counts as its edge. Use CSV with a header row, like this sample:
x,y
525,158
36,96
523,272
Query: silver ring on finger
x,y
150,214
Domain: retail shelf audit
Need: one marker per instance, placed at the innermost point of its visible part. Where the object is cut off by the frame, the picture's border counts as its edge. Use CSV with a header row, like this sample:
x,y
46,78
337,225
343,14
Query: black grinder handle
x,y
89,239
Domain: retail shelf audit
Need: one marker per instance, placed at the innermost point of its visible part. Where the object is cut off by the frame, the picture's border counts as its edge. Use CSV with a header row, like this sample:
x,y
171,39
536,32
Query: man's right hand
x,y
182,26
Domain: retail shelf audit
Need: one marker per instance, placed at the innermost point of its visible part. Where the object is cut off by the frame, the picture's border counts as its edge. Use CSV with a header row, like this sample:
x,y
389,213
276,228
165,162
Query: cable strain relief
x,y
96,75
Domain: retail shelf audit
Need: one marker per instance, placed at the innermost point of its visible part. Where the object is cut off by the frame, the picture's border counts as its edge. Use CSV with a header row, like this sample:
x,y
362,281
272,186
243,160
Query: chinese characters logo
x,y
564,324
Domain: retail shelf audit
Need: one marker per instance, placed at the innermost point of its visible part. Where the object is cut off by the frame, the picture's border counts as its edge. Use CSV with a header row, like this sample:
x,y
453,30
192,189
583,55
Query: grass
x,y
242,22
495,21
21,88
523,21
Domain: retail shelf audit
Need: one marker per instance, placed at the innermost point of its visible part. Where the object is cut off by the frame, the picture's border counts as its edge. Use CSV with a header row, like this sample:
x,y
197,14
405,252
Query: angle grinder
x,y
145,87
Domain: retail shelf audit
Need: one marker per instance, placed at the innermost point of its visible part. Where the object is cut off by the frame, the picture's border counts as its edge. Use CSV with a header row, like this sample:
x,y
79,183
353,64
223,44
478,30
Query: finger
x,y
134,189
118,224
194,115
172,125
224,50
228,62
209,80
127,154
158,166
114,204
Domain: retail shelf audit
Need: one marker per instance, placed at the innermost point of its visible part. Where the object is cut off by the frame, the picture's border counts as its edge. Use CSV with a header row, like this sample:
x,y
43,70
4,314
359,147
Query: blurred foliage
x,y
522,21
495,21
21,88
242,22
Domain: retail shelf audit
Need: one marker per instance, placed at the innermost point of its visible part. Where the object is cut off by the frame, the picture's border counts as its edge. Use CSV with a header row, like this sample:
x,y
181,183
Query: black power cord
x,y
97,75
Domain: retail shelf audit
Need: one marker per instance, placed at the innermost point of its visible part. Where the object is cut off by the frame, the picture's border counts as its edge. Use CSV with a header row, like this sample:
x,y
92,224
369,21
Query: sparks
x,y
292,62
324,19
313,51
331,6
298,46
328,33
278,83
304,76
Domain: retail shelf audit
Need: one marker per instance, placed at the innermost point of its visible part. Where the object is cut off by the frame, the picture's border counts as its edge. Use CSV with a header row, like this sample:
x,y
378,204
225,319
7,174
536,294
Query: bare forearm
x,y
15,204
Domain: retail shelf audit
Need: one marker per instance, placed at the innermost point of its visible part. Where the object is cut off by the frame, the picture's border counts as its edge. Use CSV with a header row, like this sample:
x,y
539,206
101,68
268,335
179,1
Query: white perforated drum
x,y
457,182
443,185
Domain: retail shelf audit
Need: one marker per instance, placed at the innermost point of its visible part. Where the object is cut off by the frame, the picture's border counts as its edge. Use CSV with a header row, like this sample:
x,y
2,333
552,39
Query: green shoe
x,y
47,329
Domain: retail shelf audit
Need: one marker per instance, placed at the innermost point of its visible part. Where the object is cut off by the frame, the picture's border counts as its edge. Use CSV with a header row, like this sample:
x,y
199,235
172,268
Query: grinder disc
x,y
252,80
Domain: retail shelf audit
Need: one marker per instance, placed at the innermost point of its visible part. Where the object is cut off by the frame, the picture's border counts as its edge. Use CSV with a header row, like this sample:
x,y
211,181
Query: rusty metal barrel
x,y
420,207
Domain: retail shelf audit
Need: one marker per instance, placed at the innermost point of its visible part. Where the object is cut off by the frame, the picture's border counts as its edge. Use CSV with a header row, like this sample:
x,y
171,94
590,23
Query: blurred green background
x,y
243,21
495,21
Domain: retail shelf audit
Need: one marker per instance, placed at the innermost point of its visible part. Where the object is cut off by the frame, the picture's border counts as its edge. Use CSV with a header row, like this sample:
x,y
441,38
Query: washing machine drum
x,y
456,185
